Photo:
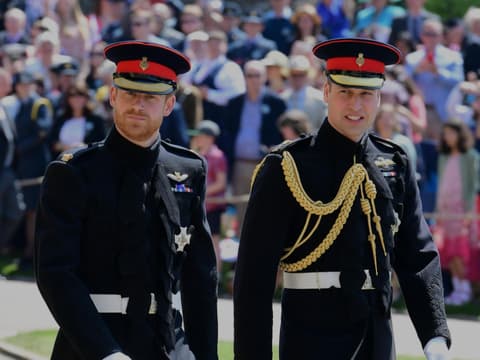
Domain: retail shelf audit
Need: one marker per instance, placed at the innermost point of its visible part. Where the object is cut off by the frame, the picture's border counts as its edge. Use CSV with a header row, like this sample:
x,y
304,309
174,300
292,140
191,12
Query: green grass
x,y
9,267
41,342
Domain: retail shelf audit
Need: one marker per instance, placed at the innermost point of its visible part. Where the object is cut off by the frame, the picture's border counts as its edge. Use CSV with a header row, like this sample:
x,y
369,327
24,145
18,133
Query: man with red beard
x,y
121,226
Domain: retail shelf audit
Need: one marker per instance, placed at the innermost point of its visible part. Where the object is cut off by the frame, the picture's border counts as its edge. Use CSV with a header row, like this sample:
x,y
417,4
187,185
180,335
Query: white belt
x,y
319,280
116,304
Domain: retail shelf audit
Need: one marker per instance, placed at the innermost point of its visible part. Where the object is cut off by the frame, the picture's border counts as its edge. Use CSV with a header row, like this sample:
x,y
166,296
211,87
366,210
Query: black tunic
x,y
335,323
106,224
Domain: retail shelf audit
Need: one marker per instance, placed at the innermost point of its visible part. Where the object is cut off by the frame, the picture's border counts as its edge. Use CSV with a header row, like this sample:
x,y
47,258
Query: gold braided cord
x,y
255,172
329,239
345,197
367,210
371,192
301,240
294,183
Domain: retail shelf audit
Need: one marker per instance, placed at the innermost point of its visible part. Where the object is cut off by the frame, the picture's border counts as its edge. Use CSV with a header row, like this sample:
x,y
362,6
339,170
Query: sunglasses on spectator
x,y
77,94
188,21
430,34
298,74
139,23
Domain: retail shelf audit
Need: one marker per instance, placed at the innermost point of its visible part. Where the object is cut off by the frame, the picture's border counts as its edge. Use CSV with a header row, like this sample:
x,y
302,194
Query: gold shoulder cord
x,y
255,172
348,190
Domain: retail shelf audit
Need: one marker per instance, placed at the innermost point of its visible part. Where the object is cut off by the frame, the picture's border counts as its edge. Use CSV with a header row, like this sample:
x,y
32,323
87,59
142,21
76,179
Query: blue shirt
x,y
436,87
247,144
382,20
334,21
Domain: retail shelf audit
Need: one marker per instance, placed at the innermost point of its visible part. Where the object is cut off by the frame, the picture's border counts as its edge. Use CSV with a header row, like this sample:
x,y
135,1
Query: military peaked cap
x,y
67,66
357,62
146,67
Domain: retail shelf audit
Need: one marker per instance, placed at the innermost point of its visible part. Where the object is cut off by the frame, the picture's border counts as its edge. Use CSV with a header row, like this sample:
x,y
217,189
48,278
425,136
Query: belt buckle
x,y
329,280
123,305
153,305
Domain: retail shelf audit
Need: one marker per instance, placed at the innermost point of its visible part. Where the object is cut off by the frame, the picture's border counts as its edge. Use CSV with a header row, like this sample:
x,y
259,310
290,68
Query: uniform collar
x,y
136,157
335,143
342,149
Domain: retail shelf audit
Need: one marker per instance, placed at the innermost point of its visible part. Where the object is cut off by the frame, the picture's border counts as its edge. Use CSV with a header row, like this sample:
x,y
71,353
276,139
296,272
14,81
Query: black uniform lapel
x,y
163,191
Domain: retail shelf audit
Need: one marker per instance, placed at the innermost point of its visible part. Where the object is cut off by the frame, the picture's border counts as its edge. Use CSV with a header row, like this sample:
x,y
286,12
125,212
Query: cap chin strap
x,y
158,88
370,83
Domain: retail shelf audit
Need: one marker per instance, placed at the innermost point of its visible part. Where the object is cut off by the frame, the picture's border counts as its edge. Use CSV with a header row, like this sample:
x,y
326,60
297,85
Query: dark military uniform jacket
x,y
346,322
116,218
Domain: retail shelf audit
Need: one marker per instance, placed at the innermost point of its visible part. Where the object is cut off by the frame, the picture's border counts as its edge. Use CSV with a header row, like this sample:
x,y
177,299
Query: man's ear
x,y
326,90
169,105
112,96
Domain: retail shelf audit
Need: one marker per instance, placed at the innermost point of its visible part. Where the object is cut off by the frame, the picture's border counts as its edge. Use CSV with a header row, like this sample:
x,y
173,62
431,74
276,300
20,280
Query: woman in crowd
x,y
74,29
78,125
387,126
457,187
307,24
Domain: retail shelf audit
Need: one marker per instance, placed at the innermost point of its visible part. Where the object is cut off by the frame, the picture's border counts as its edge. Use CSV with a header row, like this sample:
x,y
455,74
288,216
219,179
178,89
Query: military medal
x,y
179,178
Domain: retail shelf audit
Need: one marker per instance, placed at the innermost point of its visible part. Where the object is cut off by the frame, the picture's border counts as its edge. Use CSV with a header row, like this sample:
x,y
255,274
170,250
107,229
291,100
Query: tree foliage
x,y
449,9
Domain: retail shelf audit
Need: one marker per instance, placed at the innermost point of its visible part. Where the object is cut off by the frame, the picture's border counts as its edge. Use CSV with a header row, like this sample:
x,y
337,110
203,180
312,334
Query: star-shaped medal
x,y
396,226
182,239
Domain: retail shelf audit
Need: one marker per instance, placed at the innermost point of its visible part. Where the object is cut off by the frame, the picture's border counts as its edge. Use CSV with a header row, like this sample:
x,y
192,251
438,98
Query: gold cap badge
x,y
360,60
144,63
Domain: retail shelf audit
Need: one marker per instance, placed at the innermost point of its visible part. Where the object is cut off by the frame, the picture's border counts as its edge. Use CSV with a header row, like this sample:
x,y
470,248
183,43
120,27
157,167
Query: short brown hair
x,y
297,120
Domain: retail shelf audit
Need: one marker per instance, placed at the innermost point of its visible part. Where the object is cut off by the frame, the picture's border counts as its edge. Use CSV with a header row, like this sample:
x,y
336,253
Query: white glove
x,y
181,352
436,349
117,356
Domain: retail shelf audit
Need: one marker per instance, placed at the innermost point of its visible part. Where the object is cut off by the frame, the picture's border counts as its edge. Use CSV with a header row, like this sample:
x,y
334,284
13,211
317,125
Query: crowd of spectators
x,y
256,81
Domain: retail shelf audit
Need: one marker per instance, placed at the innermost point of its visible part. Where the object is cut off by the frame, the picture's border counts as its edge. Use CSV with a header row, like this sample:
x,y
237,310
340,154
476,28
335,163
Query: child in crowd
x,y
203,142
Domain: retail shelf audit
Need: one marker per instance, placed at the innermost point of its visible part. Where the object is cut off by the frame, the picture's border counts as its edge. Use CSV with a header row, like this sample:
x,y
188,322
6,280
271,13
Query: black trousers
x,y
323,329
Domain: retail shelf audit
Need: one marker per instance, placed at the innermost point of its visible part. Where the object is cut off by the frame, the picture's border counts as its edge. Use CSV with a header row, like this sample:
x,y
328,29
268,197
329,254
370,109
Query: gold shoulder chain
x,y
345,197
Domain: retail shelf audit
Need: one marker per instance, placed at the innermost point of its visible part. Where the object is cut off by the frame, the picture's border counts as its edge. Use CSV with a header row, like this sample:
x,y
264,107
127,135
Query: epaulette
x,y
279,149
387,144
78,152
180,150
289,144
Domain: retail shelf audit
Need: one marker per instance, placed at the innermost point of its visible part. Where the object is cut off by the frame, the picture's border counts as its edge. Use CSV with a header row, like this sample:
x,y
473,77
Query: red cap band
x,y
146,67
356,64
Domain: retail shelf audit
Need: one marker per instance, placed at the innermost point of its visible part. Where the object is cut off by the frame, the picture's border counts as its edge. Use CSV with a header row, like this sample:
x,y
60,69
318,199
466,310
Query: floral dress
x,y
454,240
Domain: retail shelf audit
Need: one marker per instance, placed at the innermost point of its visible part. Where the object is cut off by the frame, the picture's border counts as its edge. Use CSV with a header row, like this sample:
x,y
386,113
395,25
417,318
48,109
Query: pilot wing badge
x,y
182,239
383,163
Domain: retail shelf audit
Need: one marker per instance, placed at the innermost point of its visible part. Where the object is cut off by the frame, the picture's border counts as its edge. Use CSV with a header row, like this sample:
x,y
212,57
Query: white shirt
x,y
229,81
73,131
